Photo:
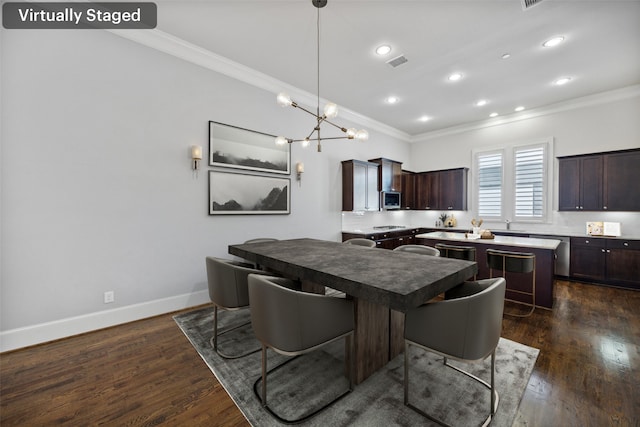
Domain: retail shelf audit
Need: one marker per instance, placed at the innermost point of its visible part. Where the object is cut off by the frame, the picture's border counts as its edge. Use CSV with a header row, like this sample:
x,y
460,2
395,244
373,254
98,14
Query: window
x,y
529,183
512,183
490,185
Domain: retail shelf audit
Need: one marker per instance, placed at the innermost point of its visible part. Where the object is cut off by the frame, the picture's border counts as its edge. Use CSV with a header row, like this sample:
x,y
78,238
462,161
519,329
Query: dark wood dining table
x,y
383,284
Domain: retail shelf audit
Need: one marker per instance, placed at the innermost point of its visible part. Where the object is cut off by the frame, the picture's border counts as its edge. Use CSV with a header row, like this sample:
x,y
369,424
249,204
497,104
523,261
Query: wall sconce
x,y
196,156
299,172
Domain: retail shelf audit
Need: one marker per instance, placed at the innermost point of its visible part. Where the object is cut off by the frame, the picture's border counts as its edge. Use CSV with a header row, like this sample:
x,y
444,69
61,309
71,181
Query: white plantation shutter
x,y
529,182
490,172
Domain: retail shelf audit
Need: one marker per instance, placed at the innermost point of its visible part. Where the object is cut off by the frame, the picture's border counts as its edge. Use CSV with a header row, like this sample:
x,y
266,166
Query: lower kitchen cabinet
x,y
604,260
387,239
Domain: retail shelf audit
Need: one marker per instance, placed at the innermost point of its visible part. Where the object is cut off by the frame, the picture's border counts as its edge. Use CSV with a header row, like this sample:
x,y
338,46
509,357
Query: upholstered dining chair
x,y
359,241
466,327
293,323
228,290
515,262
260,240
418,249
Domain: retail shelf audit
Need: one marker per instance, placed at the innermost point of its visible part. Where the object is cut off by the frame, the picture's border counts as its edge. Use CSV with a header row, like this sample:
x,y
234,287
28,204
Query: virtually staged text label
x,y
66,16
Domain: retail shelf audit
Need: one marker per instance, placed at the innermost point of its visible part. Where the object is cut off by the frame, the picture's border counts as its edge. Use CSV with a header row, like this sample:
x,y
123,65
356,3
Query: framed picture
x,y
238,148
237,193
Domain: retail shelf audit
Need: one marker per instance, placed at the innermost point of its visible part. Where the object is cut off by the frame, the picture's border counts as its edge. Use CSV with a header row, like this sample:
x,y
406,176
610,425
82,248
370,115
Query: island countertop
x,y
525,242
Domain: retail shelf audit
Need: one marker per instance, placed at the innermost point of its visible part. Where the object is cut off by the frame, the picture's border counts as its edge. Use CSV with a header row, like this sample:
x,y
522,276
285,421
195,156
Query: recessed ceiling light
x,y
481,103
455,77
383,50
424,118
562,81
520,108
493,115
392,100
555,41
506,56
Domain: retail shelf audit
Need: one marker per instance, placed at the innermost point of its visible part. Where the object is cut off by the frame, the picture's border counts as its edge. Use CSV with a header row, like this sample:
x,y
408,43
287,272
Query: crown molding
x,y
179,48
573,104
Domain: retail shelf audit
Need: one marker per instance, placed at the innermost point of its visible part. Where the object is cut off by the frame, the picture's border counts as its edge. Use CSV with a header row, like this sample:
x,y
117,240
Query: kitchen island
x,y
544,250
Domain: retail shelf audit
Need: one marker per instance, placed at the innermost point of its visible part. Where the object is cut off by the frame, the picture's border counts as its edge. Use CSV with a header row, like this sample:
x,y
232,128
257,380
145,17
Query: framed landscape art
x,y
238,148
237,193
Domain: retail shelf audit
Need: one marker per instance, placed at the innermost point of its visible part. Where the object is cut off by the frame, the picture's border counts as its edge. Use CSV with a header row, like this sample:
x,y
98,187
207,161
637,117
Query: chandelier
x,y
330,110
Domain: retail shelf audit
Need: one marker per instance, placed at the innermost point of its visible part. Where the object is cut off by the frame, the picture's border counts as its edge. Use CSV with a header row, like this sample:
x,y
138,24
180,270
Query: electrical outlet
x,y
109,297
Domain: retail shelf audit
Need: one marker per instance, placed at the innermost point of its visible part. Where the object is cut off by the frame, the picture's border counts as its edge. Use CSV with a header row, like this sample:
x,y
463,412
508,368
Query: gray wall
x,y
97,191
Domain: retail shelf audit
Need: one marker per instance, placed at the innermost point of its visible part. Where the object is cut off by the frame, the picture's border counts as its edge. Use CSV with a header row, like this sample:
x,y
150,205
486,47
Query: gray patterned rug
x,y
378,401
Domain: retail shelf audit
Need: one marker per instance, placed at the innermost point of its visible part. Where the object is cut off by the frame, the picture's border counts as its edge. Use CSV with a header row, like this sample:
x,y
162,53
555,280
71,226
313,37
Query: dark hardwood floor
x,y
147,373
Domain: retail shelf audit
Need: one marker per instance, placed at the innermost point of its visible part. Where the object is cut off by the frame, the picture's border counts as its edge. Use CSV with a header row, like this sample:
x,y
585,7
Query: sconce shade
x,y
300,167
196,152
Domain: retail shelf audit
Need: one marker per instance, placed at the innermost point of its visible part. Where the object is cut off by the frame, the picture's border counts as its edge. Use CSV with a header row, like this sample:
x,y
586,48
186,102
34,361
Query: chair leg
x,y
495,398
265,375
216,334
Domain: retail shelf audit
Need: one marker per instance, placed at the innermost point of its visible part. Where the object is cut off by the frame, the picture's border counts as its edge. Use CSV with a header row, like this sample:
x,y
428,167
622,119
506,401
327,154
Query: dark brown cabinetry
x,y
622,175
442,190
389,174
599,182
609,261
408,198
360,186
580,183
387,239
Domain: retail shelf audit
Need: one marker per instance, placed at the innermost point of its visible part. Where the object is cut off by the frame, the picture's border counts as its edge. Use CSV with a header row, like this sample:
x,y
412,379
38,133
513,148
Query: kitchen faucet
x,y
508,224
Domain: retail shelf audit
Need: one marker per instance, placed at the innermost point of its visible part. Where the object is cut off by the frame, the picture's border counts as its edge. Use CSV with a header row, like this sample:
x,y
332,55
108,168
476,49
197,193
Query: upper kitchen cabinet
x,y
621,178
408,190
360,186
442,190
389,174
453,189
580,183
599,182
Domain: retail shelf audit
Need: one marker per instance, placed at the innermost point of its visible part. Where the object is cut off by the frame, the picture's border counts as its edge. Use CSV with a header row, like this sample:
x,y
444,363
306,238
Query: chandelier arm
x,y
343,129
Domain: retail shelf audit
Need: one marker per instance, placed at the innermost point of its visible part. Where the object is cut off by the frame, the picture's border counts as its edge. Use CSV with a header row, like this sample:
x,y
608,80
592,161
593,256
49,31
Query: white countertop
x,y
526,242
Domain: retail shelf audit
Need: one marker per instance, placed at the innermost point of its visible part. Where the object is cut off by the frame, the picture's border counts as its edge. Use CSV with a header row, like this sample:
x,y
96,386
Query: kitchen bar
x,y
544,250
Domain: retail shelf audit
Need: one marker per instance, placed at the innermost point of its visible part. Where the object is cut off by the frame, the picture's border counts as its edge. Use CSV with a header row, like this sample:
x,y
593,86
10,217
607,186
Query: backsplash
x,y
569,223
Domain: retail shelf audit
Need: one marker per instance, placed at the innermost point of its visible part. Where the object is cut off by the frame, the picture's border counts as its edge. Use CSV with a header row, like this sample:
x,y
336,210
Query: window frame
x,y
508,208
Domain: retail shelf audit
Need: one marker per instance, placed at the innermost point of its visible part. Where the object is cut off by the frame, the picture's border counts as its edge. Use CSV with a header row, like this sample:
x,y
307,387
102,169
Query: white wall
x,y
596,128
97,192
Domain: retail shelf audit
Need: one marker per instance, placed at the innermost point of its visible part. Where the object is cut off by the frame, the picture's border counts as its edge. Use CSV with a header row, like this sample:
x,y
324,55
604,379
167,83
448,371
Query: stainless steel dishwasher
x,y
563,254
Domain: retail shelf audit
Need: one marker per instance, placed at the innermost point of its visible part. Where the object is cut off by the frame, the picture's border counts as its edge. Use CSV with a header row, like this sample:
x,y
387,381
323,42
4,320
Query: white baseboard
x,y
36,334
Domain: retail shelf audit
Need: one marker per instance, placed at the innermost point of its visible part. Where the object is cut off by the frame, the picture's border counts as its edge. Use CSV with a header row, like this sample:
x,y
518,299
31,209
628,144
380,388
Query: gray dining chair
x,y
418,249
359,241
515,262
228,290
293,323
260,240
466,327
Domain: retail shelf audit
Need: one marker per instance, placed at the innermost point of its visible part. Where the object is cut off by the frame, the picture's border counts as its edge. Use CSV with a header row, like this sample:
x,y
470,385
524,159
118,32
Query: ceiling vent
x,y
397,61
526,4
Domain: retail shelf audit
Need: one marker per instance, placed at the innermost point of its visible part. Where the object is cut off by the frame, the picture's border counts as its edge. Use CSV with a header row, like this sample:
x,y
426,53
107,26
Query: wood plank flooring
x,y
147,373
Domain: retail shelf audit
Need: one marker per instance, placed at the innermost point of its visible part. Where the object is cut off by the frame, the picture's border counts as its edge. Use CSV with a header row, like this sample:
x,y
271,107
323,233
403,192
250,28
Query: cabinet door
x,y
621,178
408,190
569,184
359,187
427,190
372,194
591,183
396,176
588,258
623,262
453,190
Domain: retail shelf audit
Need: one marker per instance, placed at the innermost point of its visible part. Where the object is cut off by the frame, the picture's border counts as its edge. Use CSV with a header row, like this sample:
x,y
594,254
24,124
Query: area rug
x,y
378,401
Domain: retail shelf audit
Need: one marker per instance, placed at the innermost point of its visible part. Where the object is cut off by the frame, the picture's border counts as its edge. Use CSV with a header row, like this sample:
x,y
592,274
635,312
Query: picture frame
x,y
238,148
233,193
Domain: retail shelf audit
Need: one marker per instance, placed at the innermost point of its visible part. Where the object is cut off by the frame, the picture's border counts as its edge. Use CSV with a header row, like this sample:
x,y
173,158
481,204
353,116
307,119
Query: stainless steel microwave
x,y
390,200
